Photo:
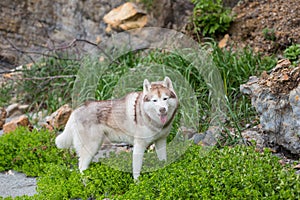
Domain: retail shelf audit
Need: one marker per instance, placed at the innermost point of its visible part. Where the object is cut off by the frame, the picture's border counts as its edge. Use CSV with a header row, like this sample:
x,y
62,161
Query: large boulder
x,y
276,98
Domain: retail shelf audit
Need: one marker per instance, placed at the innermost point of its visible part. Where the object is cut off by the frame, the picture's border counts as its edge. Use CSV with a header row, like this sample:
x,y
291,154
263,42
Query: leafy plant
x,y
269,34
210,17
228,173
29,152
293,53
231,172
48,84
148,4
6,91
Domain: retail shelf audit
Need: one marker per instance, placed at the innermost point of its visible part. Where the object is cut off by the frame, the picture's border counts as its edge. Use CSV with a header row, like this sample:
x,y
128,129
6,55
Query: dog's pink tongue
x,y
163,119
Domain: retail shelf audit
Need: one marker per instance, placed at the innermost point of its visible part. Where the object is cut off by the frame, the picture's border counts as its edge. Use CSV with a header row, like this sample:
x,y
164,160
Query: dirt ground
x,y
268,26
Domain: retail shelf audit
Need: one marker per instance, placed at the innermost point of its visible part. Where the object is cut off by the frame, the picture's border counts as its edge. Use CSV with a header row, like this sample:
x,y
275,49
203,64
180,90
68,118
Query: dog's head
x,y
159,100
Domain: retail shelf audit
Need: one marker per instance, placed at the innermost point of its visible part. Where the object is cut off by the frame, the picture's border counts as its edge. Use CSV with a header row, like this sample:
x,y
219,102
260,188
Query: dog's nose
x,y
162,110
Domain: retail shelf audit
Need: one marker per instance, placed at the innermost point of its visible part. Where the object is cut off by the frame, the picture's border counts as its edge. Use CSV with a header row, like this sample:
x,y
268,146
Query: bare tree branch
x,y
46,78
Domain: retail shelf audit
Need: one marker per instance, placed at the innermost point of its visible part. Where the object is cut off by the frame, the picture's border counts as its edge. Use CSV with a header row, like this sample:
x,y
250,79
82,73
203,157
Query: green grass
x,y
50,83
234,67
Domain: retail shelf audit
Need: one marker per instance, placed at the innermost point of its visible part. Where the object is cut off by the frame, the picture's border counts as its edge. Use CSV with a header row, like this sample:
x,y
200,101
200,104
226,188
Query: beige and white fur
x,y
139,118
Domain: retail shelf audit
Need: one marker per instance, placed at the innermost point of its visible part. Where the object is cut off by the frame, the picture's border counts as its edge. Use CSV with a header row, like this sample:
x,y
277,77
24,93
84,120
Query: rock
x,y
59,118
58,21
276,98
255,135
125,17
198,138
12,110
188,133
16,109
3,114
223,43
172,14
209,137
14,184
16,122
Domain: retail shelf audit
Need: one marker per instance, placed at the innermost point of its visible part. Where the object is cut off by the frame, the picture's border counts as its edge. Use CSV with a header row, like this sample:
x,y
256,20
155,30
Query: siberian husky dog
x,y
139,118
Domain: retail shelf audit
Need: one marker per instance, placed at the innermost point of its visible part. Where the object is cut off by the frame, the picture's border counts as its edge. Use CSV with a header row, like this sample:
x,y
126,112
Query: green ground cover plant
x,y
238,172
29,152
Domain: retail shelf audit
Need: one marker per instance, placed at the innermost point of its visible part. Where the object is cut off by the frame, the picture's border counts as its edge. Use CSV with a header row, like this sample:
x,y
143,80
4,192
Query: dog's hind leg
x,y
88,146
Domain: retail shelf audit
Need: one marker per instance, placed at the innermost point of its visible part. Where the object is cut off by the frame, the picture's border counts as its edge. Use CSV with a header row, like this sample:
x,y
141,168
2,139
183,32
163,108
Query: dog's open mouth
x,y
163,118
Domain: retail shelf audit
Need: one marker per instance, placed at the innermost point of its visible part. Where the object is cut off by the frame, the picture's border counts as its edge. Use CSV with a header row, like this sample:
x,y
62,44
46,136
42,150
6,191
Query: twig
x,y
46,77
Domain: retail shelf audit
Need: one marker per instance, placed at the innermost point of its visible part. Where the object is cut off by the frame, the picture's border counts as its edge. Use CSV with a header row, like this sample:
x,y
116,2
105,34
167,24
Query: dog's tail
x,y
65,139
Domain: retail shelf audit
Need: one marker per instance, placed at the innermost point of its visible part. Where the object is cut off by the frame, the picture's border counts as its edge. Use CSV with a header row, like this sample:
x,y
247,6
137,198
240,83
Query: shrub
x,y
293,53
210,17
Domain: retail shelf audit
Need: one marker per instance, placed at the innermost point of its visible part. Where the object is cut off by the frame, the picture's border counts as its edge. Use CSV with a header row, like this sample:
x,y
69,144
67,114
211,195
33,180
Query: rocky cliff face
x,y
36,25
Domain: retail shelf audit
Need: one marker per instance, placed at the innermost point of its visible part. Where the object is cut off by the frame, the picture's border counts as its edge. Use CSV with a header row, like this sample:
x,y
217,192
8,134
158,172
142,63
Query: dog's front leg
x,y
161,149
138,153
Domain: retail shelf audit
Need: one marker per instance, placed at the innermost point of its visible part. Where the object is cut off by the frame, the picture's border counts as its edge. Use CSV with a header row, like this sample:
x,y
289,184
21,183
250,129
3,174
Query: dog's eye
x,y
165,98
154,100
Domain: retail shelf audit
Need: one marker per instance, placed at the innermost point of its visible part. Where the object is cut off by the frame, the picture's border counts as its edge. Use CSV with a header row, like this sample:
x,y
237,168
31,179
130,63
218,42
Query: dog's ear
x,y
146,86
168,83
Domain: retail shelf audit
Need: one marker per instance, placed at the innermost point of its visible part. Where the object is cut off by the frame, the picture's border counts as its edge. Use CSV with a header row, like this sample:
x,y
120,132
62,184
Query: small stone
x,y
59,118
296,166
16,122
16,109
198,138
224,41
13,110
23,108
47,126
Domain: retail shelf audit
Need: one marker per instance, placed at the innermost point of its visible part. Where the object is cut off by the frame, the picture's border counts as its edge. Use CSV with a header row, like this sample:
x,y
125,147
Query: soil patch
x,y
268,26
